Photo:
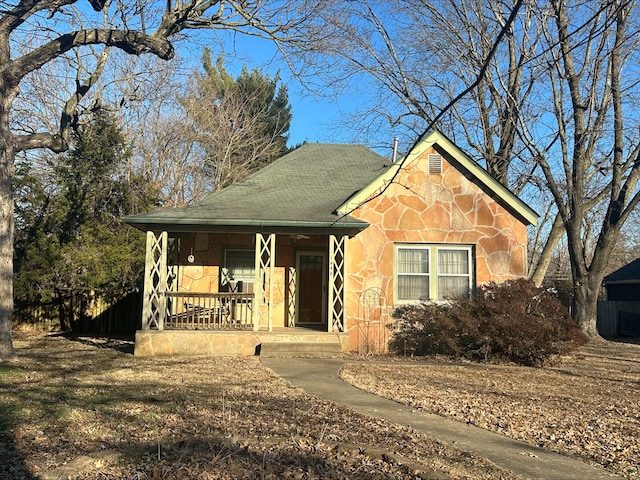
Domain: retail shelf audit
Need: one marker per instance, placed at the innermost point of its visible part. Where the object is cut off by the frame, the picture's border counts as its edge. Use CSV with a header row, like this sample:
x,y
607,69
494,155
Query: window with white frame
x,y
436,272
412,270
239,266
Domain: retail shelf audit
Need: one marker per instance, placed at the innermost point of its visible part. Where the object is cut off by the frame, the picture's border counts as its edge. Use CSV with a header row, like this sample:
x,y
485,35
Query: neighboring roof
x,y
482,178
300,192
630,273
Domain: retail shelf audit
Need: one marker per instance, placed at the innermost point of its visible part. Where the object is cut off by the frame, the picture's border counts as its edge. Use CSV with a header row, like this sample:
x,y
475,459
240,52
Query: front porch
x,y
229,293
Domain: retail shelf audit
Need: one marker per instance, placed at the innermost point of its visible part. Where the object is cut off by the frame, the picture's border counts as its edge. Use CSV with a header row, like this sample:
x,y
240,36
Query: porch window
x,y
435,272
239,270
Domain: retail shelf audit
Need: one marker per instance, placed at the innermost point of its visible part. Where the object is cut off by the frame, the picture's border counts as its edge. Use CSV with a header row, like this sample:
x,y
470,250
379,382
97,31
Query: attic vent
x,y
435,164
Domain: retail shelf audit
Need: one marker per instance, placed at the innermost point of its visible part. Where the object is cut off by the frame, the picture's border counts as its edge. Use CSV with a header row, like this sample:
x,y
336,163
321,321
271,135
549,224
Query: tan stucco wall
x,y
422,208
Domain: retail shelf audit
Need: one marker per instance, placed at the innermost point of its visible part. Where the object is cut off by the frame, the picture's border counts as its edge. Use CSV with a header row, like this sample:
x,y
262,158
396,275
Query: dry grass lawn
x,y
587,406
86,408
82,408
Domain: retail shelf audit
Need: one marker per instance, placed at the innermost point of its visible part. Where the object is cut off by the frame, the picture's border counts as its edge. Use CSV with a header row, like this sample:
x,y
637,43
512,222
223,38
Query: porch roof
x,y
298,193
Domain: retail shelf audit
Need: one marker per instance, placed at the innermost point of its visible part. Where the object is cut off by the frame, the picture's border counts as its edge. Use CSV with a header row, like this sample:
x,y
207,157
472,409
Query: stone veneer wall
x,y
426,208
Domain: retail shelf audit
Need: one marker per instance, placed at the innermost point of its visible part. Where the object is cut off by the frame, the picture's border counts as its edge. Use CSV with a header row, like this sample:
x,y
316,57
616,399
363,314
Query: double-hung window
x,y
413,272
435,272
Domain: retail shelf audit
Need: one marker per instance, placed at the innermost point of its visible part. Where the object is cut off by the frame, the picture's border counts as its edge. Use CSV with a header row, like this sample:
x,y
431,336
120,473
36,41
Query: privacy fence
x,y
123,317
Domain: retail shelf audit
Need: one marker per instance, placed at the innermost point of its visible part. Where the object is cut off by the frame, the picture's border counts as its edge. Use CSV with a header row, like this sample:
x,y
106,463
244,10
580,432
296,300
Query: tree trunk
x,y
73,324
540,271
61,313
585,306
7,155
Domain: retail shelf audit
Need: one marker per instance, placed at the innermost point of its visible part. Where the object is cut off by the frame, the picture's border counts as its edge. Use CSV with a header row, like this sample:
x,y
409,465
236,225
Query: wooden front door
x,y
311,275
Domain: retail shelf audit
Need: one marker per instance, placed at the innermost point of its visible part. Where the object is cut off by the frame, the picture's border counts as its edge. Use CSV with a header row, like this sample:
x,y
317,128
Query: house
x,y
326,241
623,284
619,314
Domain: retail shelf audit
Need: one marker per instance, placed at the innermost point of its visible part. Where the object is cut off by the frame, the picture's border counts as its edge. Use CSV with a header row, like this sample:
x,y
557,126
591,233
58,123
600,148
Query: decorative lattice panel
x,y
263,287
173,250
154,307
291,296
337,246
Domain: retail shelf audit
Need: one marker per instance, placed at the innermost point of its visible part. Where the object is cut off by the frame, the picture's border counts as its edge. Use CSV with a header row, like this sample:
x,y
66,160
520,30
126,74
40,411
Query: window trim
x,y
433,274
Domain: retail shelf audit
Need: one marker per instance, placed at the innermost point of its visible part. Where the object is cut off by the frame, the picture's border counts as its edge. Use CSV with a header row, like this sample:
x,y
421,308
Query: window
x,y
239,269
454,272
434,272
413,273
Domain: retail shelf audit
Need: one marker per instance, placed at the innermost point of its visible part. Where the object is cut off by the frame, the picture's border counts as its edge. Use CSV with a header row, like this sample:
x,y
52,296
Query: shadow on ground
x,y
119,343
12,464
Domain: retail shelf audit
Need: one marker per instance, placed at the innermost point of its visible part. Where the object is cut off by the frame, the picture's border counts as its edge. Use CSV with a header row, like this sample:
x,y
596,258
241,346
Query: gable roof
x,y
630,273
467,165
313,190
299,192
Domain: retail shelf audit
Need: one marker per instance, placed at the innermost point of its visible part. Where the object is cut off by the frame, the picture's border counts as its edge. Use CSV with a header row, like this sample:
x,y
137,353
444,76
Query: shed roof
x,y
300,192
630,273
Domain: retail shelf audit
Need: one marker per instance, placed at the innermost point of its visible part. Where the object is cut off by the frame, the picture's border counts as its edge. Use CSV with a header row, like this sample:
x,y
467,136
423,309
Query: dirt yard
x,y
86,408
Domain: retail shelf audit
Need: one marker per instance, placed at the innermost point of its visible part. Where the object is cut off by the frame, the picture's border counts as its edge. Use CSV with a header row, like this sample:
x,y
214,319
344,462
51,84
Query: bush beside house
x,y
510,322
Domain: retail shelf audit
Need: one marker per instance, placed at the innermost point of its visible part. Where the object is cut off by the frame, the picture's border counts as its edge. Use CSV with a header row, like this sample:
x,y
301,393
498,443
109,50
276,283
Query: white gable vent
x,y
435,164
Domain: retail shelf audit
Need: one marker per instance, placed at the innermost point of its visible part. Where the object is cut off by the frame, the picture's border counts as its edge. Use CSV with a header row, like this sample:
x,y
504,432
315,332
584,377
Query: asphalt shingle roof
x,y
302,188
629,272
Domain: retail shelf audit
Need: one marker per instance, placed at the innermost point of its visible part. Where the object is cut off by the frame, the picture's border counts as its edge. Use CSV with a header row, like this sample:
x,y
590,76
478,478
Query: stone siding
x,y
419,207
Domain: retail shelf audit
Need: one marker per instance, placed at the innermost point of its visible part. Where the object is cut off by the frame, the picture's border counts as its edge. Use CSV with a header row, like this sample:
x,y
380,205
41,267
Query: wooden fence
x,y
123,317
618,319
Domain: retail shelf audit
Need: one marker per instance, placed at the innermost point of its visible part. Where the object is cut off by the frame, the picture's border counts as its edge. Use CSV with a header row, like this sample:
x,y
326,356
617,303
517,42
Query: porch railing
x,y
209,311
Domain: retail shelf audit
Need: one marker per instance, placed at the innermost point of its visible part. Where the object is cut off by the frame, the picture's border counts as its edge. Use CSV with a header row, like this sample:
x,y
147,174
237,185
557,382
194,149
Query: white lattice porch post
x,y
154,302
337,248
265,268
291,306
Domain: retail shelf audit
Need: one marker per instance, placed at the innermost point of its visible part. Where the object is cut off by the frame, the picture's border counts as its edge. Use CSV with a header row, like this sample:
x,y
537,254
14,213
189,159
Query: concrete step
x,y
292,349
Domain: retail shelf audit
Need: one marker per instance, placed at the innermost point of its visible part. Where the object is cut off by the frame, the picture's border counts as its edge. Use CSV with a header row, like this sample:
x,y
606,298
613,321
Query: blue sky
x,y
314,119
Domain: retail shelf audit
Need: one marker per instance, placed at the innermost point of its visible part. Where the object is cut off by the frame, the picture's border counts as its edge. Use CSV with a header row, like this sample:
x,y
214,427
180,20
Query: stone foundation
x,y
151,343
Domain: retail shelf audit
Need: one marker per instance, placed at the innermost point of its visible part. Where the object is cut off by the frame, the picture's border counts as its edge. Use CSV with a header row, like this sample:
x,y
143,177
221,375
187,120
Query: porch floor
x,y
235,343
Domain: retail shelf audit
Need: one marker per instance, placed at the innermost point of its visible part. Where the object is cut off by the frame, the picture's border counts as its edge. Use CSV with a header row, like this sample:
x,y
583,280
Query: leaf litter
x,y
585,406
82,408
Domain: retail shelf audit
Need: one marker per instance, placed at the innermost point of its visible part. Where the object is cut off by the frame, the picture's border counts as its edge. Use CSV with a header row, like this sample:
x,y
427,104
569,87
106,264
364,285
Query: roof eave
x,y
347,227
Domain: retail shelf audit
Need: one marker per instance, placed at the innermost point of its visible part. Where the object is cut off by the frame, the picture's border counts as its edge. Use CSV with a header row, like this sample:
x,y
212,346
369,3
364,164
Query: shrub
x,y
509,322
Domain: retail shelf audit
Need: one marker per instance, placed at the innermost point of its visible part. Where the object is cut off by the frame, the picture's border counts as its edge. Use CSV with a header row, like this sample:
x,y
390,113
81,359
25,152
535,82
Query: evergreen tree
x,y
240,124
70,244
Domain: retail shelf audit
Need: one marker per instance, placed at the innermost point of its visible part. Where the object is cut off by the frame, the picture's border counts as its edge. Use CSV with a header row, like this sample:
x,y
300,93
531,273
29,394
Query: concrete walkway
x,y
320,377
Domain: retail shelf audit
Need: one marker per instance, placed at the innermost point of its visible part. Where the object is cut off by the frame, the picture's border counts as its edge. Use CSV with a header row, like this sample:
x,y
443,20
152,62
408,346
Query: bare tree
x,y
37,33
417,56
590,155
157,126
239,124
